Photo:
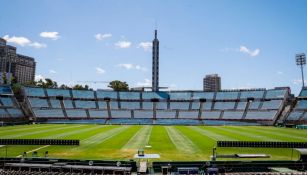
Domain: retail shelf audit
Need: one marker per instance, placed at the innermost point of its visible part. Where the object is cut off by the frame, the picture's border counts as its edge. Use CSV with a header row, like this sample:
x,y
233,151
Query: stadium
x,y
179,126
46,129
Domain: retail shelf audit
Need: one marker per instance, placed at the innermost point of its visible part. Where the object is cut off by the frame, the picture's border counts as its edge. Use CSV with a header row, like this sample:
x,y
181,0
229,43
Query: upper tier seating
x,y
252,94
83,94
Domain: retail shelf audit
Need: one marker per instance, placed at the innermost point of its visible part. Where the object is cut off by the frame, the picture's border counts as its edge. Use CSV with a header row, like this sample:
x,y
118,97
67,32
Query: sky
x,y
250,44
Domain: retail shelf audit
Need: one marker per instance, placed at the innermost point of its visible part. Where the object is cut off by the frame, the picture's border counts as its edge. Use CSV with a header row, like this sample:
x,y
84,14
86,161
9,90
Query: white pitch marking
x,y
35,150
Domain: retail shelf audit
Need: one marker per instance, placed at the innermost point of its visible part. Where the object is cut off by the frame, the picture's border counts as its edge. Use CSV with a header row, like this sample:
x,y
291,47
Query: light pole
x,y
301,61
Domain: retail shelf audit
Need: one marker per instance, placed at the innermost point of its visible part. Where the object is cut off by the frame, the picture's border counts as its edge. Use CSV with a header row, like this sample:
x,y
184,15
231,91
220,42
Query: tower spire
x,y
155,63
156,34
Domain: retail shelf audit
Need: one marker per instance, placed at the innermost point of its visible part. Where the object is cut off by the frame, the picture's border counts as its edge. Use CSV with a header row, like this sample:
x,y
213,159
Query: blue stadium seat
x,y
232,95
210,114
106,94
203,95
188,114
98,113
80,113
55,103
121,113
180,95
252,94
130,95
49,113
275,94
7,101
36,92
177,122
131,121
85,104
83,94
130,105
38,103
165,114
237,115
58,92
143,114
180,105
295,115
157,95
261,115
224,105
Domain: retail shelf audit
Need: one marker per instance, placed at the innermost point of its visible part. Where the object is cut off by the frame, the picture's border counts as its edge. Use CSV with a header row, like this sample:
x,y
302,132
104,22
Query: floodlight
x,y
301,61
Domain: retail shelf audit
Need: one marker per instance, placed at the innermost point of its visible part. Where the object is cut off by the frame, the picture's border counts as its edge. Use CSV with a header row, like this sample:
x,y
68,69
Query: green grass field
x,y
177,143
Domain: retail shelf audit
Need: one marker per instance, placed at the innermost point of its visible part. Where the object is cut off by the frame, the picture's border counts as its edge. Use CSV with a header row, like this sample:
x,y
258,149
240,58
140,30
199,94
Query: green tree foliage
x,y
47,83
63,86
81,87
117,85
16,87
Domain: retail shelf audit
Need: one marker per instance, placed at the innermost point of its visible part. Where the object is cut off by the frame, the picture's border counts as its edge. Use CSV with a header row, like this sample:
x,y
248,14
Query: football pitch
x,y
121,142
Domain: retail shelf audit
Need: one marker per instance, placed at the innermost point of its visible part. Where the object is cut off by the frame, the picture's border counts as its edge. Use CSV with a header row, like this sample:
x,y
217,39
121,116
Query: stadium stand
x,y
298,114
10,110
255,105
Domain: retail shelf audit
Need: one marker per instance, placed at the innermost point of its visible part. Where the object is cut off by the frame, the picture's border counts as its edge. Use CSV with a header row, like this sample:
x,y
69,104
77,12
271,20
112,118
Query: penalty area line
x,y
34,150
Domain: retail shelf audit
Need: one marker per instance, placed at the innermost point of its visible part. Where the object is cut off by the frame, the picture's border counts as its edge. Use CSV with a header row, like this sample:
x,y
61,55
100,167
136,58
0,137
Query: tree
x,y
81,87
47,83
16,87
63,86
117,85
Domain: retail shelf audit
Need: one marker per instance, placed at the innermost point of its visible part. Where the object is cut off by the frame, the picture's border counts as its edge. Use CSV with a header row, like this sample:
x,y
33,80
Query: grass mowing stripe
x,y
73,132
159,135
247,136
205,130
101,137
140,139
25,129
181,142
38,132
297,132
273,135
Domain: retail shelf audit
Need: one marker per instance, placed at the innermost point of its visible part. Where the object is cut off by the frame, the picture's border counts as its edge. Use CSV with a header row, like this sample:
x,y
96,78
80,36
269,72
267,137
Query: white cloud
x,y
123,44
100,36
242,49
23,41
145,45
251,53
146,83
130,66
39,77
50,35
52,71
37,45
100,70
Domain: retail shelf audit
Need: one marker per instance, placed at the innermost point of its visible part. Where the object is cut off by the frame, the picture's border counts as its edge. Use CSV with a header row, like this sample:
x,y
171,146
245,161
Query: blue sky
x,y
250,44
